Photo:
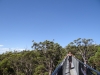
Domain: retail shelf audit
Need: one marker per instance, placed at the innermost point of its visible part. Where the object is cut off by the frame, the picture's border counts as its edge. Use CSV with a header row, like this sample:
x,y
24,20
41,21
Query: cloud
x,y
1,45
3,50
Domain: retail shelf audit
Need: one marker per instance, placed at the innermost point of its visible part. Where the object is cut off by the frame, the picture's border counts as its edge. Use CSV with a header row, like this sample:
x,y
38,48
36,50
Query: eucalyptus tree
x,y
50,52
95,59
83,47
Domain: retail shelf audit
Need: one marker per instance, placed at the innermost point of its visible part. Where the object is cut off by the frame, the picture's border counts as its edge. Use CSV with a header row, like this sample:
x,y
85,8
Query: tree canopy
x,y
45,56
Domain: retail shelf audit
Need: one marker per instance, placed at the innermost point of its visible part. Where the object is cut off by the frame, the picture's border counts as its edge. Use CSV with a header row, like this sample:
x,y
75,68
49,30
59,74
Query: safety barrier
x,y
64,66
84,69
59,70
79,66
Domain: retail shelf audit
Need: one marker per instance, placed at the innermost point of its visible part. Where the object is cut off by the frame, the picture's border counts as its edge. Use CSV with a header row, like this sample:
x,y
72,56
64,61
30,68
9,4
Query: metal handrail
x,y
61,64
58,68
88,66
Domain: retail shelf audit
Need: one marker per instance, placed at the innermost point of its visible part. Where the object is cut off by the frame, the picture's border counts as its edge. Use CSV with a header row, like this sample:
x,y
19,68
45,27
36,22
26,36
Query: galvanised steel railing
x,y
84,69
79,66
59,70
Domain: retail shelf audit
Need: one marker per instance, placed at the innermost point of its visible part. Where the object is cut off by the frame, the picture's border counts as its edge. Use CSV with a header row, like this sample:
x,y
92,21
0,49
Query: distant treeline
x,y
45,57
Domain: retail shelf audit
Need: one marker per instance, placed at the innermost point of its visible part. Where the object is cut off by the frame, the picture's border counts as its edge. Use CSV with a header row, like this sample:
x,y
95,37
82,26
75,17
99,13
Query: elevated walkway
x,y
77,68
68,71
73,71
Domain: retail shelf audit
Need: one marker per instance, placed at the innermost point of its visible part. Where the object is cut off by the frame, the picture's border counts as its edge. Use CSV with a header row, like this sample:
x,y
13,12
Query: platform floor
x,y
73,71
70,72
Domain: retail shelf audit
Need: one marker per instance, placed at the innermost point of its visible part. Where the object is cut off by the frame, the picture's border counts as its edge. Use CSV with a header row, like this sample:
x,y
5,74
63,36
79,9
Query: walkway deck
x,y
73,71
77,65
69,72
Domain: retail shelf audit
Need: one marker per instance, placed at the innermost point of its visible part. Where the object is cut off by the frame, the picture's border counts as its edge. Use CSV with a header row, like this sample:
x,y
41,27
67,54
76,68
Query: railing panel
x,y
59,69
66,67
85,69
79,66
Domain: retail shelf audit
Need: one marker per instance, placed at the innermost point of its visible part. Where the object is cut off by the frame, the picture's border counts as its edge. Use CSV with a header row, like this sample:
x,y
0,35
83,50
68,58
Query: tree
x,y
84,47
51,53
95,60
45,56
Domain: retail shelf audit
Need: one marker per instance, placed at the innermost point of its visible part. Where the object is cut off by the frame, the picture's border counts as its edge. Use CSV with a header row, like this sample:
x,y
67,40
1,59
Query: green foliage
x,y
40,61
91,60
45,57
96,59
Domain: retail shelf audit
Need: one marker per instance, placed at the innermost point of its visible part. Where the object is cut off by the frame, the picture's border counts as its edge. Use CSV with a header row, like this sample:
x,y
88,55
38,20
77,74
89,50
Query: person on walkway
x,y
69,55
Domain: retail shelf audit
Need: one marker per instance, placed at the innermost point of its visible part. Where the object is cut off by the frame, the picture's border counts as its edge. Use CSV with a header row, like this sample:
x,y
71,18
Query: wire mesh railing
x,y
79,66
85,69
64,67
59,70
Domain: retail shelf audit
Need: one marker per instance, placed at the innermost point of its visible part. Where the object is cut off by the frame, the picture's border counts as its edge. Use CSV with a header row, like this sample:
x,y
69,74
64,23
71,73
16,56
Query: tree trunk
x,y
50,67
50,70
85,65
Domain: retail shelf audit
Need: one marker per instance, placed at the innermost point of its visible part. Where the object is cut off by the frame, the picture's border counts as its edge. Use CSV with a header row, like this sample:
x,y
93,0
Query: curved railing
x,y
89,70
79,66
58,68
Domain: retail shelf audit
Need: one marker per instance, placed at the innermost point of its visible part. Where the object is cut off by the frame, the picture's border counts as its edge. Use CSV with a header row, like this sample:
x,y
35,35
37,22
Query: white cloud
x,y
1,45
3,50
